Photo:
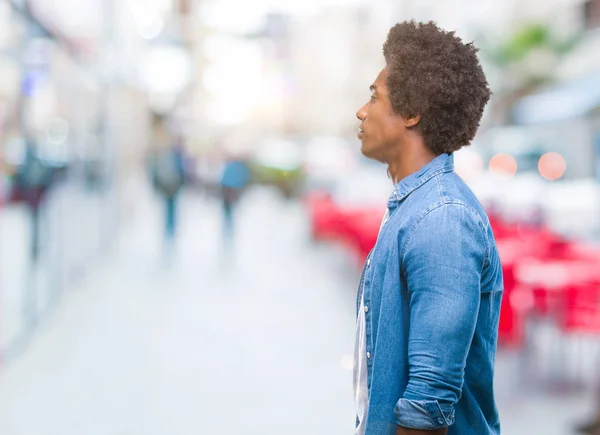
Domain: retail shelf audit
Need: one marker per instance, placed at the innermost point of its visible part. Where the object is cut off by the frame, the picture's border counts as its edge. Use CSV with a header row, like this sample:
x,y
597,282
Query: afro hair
x,y
434,75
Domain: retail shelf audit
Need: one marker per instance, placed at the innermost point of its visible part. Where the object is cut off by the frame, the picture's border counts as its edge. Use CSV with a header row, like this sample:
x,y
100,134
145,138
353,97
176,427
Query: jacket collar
x,y
442,163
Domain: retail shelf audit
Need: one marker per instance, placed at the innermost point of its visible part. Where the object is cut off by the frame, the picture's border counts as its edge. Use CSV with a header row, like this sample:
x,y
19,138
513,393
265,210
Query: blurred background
x,y
184,210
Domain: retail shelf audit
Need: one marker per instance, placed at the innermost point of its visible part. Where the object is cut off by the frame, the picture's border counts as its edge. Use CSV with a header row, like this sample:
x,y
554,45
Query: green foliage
x,y
517,47
529,37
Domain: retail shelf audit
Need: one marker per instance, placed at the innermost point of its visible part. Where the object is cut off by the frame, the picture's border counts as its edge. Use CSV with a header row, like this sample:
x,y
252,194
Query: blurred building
x,y
564,114
71,88
84,79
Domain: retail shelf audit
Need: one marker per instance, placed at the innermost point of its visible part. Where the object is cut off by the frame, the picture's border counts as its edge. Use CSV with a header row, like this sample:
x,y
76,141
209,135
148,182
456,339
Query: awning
x,y
560,103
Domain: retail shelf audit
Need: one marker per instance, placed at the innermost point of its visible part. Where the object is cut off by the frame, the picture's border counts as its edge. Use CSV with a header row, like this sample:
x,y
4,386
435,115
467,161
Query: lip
x,y
361,133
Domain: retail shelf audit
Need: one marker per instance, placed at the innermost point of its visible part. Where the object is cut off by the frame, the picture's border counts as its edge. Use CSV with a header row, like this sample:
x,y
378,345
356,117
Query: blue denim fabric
x,y
432,288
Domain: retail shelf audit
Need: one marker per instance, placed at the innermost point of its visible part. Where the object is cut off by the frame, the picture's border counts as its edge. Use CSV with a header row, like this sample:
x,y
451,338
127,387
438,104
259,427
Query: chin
x,y
364,150
373,151
368,152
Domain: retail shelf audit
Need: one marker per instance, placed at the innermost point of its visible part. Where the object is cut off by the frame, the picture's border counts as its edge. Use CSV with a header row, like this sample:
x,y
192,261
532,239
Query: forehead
x,y
380,81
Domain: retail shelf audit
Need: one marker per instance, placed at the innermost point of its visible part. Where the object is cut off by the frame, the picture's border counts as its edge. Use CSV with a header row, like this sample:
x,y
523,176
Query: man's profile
x,y
429,296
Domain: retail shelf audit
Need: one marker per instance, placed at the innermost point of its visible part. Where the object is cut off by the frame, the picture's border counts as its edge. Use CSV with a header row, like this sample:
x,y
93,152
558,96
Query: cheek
x,y
392,128
382,127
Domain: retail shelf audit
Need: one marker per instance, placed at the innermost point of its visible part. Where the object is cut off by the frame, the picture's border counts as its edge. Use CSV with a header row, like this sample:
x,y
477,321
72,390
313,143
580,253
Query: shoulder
x,y
453,194
451,214
447,213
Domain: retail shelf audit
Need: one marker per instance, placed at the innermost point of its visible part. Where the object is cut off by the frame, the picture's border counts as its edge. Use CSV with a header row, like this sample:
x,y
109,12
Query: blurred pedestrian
x,y
591,427
168,176
32,180
234,180
429,297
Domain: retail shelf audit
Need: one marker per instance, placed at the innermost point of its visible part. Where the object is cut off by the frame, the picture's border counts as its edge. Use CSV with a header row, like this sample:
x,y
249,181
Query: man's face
x,y
381,130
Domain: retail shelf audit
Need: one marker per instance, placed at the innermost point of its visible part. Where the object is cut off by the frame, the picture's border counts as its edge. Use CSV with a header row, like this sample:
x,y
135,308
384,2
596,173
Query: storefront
x,y
567,119
52,108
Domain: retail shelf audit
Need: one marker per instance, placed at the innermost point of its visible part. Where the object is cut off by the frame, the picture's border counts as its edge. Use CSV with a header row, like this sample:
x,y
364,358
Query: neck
x,y
411,158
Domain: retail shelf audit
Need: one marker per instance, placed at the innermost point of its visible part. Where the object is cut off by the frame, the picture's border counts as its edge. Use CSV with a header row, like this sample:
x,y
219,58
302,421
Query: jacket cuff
x,y
423,414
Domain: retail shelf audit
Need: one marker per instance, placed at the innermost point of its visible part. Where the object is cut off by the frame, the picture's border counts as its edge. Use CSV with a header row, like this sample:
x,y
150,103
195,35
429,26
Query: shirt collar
x,y
442,163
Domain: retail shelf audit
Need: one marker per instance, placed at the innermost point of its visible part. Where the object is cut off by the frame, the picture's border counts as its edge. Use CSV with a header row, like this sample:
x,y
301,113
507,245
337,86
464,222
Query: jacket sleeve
x,y
442,261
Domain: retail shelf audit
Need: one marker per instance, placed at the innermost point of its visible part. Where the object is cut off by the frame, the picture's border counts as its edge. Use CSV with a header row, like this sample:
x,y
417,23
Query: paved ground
x,y
253,340
70,240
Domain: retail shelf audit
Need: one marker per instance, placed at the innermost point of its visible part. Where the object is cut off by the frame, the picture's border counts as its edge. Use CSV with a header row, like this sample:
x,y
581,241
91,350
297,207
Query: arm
x,y
442,262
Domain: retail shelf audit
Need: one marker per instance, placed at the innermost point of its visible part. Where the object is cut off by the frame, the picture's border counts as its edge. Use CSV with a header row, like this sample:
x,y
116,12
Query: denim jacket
x,y
432,289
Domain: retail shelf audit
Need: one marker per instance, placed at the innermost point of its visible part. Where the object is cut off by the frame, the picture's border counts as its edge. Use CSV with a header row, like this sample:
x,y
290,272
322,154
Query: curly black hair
x,y
434,75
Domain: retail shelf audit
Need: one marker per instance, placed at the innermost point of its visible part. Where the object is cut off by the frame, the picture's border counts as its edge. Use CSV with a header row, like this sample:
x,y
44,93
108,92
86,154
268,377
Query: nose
x,y
361,114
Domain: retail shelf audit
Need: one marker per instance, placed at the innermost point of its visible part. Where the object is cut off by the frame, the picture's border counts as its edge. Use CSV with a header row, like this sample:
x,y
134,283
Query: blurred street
x,y
27,291
258,342
206,345
185,209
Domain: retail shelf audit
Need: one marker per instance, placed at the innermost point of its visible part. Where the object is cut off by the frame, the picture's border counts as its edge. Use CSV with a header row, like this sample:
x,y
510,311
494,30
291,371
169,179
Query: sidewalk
x,y
205,347
70,232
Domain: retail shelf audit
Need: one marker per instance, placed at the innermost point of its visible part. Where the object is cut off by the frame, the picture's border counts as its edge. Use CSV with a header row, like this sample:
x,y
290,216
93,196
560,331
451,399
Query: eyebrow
x,y
373,88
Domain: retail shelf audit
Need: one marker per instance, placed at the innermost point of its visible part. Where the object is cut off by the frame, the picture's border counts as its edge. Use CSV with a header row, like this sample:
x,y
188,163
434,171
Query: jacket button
x,y
368,355
366,309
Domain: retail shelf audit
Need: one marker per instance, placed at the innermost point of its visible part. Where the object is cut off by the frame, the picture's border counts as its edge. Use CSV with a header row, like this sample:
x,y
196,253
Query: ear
x,y
412,121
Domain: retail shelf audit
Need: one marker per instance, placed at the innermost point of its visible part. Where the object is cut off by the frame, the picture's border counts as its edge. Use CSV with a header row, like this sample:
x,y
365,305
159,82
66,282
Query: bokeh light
x,y
552,166
503,165
468,164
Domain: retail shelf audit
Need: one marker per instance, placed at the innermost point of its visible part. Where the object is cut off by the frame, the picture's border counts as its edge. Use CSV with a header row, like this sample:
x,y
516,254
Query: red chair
x,y
578,338
516,299
581,313
361,230
516,243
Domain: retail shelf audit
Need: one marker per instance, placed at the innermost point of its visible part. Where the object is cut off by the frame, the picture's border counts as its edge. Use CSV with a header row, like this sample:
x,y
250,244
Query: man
x,y
592,427
168,175
235,178
429,296
33,180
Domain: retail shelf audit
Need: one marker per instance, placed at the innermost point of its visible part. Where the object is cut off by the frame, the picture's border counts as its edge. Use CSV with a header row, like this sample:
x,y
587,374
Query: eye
x,y
372,99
